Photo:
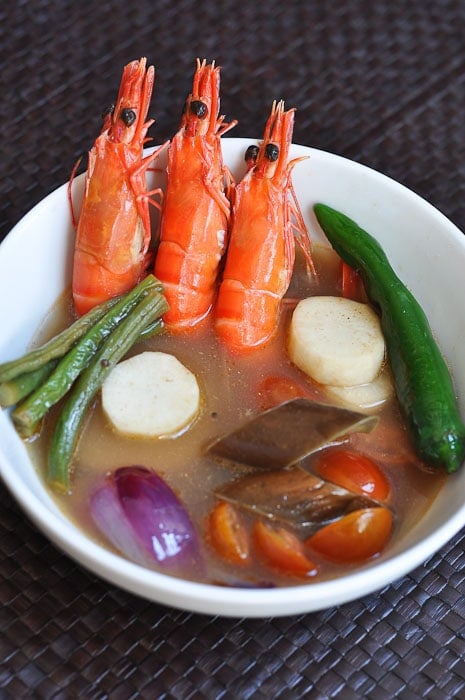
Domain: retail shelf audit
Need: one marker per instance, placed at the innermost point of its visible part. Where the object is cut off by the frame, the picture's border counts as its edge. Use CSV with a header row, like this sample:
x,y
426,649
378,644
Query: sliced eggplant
x,y
293,496
288,433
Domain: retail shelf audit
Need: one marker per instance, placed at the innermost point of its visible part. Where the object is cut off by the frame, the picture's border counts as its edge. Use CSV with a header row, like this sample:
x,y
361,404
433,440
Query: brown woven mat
x,y
380,82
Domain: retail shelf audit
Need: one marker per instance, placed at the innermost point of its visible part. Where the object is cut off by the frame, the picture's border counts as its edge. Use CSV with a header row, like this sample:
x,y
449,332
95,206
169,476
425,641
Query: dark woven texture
x,y
381,82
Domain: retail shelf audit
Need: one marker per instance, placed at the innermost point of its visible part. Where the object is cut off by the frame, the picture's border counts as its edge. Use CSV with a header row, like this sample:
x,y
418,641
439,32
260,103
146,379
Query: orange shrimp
x,y
260,258
196,209
113,231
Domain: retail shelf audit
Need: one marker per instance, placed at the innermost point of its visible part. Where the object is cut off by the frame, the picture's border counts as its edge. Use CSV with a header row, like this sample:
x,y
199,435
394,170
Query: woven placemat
x,y
382,83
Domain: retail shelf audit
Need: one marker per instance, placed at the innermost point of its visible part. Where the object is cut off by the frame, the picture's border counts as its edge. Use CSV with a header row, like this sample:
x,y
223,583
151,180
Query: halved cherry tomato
x,y
282,550
354,472
228,535
351,282
356,537
277,389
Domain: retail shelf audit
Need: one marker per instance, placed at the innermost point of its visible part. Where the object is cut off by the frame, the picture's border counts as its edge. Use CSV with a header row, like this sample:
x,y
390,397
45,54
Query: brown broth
x,y
230,388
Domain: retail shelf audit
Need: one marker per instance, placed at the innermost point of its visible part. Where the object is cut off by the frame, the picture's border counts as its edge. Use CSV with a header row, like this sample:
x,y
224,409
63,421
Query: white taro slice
x,y
336,341
365,397
151,395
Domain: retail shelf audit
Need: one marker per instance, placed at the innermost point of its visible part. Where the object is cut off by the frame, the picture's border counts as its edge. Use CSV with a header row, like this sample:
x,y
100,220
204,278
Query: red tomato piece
x,y
351,282
354,472
228,535
277,389
282,550
354,538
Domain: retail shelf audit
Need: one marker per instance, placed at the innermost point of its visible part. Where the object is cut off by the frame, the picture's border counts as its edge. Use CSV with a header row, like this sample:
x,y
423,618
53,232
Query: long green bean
x,y
16,389
153,328
56,347
68,427
28,414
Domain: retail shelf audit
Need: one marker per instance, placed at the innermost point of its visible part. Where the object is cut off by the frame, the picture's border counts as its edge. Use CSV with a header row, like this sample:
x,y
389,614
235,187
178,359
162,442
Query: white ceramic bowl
x,y
428,253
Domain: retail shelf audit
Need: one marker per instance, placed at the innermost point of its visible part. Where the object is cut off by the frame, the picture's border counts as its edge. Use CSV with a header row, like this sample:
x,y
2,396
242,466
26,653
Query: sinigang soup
x,y
237,539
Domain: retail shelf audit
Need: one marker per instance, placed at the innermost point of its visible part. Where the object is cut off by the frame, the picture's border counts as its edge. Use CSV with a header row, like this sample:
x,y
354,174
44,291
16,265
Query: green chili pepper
x,y
423,382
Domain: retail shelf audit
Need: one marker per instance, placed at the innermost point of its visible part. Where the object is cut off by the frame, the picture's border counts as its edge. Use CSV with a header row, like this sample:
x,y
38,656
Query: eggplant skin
x,y
293,496
288,433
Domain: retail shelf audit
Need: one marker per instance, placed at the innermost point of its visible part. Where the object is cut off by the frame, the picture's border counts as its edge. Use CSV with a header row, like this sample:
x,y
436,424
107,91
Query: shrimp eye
x,y
272,151
128,116
108,111
251,154
198,108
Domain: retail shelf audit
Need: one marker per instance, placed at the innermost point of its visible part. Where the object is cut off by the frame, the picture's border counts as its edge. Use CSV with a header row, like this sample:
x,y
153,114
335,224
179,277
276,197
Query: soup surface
x,y
233,390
